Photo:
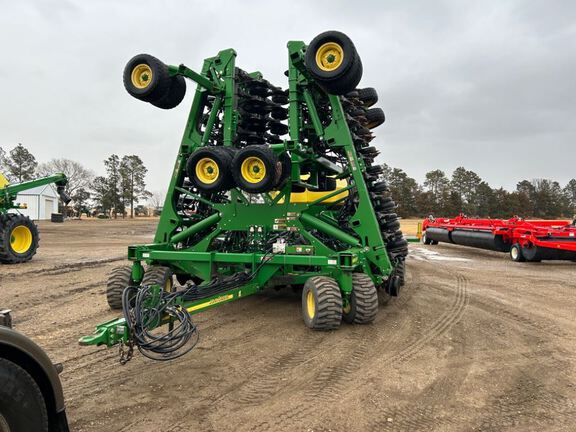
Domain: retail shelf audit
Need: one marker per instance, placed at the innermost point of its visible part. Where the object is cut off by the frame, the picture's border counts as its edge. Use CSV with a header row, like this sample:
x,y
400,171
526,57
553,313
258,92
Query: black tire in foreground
x,y
333,62
322,303
363,305
209,169
22,405
256,169
19,238
120,278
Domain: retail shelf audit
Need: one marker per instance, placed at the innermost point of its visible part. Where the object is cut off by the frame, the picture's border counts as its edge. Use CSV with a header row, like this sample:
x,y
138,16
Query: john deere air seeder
x,y
271,187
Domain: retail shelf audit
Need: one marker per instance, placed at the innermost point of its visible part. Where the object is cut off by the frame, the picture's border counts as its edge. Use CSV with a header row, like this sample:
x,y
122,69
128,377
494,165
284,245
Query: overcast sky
x,y
488,85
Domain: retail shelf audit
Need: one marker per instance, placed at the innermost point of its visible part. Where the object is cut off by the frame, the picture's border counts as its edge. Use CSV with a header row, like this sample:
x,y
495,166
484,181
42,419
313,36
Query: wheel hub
x,y
329,56
253,169
21,239
207,170
141,76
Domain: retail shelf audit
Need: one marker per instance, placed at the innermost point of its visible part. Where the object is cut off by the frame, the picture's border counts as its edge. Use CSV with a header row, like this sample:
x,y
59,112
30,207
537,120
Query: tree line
x,y
116,193
123,186
466,192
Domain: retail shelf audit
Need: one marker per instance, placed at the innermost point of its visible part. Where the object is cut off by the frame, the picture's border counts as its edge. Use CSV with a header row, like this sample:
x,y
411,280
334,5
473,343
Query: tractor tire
x,y
368,96
333,62
363,305
516,253
256,169
146,78
18,238
22,405
159,275
375,117
174,95
208,169
120,278
321,303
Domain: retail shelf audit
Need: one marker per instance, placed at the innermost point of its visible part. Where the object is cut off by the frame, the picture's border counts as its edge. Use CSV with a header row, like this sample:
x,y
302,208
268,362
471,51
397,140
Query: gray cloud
x,y
486,85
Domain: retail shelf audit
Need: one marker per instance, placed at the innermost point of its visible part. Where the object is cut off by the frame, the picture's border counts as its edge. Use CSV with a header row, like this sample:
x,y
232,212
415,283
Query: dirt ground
x,y
475,342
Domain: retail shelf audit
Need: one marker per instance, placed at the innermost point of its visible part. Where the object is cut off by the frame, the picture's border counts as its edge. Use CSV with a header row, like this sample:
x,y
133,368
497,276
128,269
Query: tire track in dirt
x,y
331,382
65,268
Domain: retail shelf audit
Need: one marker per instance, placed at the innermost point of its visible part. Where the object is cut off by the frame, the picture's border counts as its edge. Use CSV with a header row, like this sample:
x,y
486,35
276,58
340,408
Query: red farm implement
x,y
525,240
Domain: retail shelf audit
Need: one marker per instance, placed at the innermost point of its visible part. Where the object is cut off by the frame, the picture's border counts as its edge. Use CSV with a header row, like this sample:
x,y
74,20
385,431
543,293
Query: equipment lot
x,y
474,342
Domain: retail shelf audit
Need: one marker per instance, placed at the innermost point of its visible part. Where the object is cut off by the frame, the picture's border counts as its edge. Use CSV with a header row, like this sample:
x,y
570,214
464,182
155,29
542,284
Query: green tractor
x,y
18,234
271,187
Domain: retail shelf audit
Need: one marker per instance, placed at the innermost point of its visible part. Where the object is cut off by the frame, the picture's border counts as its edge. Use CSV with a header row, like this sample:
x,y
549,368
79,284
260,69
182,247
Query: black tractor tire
x,y
368,96
19,238
363,305
322,303
516,253
175,93
247,169
208,169
22,405
119,279
159,275
334,47
374,117
146,78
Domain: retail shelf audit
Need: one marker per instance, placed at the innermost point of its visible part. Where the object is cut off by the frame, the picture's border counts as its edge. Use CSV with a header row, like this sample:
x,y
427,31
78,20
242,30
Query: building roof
x,y
46,190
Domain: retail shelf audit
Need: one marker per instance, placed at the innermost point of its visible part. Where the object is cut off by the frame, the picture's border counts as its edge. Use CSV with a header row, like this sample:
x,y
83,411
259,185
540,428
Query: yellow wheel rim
x,y
207,170
141,76
253,169
329,56
21,239
310,304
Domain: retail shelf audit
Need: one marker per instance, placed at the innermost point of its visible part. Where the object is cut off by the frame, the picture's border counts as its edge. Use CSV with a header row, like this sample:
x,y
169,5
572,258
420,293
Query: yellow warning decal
x,y
214,301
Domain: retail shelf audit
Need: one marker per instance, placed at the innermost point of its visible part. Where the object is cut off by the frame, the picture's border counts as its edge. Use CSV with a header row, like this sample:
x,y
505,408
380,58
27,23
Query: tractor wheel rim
x,y
253,169
21,239
514,253
207,170
347,308
141,76
329,56
310,304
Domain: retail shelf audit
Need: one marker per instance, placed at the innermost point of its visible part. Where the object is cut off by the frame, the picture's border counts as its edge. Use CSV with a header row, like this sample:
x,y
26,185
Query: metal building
x,y
42,201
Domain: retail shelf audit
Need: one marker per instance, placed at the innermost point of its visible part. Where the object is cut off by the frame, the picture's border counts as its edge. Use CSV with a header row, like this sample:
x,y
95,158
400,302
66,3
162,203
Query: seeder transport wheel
x,y
119,279
363,305
147,78
256,169
18,238
209,169
322,303
159,275
332,60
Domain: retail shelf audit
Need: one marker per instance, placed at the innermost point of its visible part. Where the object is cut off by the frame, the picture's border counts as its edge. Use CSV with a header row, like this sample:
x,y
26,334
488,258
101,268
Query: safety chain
x,y
127,354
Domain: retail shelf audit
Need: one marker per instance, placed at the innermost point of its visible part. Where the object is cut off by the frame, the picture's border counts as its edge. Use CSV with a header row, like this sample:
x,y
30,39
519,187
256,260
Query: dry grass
x,y
409,226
